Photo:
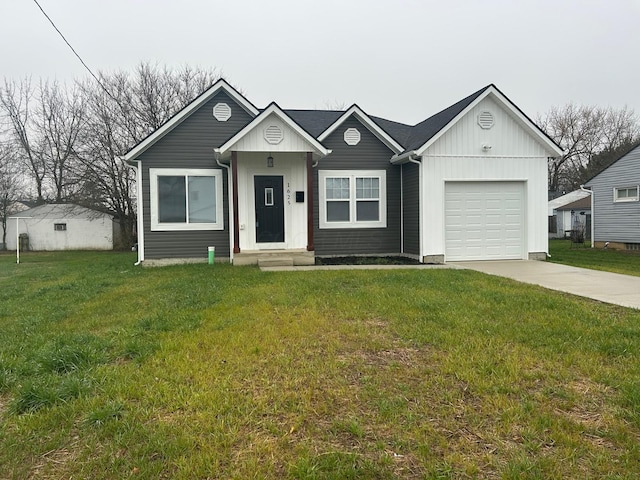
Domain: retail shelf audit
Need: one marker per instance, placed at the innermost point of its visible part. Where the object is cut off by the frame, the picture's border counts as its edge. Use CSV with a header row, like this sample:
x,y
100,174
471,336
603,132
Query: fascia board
x,y
367,122
273,109
188,110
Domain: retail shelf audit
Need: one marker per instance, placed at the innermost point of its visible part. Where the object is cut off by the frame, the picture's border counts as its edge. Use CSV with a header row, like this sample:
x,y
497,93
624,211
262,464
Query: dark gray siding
x,y
369,154
190,145
617,222
411,207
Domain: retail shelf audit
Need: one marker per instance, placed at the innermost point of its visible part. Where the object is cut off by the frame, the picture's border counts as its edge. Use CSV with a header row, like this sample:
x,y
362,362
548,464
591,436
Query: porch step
x,y
275,262
274,258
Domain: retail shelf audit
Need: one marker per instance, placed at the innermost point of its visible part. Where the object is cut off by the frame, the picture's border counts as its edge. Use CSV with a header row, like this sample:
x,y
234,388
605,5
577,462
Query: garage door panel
x,y
484,220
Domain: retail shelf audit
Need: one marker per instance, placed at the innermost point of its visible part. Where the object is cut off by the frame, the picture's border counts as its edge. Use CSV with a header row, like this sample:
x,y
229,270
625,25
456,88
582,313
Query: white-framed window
x,y
625,194
60,227
353,198
186,199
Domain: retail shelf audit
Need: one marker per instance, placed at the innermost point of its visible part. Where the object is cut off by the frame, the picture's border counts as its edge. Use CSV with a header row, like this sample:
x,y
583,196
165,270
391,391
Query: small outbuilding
x,y
60,227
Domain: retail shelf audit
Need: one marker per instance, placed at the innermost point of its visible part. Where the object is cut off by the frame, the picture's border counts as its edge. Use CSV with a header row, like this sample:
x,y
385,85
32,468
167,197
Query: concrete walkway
x,y
606,287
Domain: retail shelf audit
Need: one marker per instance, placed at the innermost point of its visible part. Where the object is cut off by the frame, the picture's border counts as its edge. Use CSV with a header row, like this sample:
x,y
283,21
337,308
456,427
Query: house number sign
x,y
288,193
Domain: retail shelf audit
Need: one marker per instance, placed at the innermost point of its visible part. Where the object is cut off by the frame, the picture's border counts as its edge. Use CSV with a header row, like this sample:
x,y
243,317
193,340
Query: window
x,y
59,227
625,194
186,199
352,199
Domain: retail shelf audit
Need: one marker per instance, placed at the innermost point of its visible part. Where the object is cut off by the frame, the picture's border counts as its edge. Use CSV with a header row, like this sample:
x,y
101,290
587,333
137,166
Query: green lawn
x,y
192,372
617,261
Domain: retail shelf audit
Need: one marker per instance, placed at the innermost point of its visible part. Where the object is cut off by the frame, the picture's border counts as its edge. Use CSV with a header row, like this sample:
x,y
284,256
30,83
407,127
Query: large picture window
x,y
352,198
186,199
625,194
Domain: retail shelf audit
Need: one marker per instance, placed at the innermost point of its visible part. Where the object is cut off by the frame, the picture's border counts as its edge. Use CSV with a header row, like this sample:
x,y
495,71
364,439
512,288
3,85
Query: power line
x,y
74,51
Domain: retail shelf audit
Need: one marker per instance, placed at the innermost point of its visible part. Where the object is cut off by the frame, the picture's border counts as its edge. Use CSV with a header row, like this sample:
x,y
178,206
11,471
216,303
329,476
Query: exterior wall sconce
x,y
270,161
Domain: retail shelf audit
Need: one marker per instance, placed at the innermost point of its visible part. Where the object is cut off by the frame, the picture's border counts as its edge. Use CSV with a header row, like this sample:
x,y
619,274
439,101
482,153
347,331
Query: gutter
x,y
590,192
404,157
217,156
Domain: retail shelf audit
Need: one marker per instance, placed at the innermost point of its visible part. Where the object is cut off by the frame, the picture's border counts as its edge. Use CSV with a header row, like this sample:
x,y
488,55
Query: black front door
x,y
269,209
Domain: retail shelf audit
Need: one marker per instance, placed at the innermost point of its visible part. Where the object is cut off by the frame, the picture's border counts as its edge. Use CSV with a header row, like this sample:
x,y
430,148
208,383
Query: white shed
x,y
62,227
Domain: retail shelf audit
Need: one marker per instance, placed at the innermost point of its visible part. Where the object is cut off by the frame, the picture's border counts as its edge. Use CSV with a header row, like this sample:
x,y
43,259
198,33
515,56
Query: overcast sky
x,y
403,60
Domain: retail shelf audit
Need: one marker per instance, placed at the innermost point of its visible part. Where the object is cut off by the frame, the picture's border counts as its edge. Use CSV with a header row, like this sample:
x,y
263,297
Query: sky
x,y
403,60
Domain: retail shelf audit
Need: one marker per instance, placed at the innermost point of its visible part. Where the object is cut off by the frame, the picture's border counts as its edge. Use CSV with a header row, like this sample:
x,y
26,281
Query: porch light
x,y
269,161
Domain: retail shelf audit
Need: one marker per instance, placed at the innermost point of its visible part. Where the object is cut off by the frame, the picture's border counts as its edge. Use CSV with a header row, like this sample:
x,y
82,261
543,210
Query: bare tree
x,y
58,121
119,116
15,101
9,187
584,131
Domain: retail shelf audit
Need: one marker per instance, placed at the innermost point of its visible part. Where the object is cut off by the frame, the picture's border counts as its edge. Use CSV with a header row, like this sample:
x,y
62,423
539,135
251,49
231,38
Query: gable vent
x,y
273,134
222,112
485,120
351,136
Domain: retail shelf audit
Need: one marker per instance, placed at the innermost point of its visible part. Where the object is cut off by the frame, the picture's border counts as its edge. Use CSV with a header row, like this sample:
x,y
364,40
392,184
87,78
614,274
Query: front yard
x,y
113,371
617,261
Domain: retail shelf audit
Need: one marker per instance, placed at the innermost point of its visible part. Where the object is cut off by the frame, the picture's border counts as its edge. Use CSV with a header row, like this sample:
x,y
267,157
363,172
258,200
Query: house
x,y
60,227
562,213
616,203
468,183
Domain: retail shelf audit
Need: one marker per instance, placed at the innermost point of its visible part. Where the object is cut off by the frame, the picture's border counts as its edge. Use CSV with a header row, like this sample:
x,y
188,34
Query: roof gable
x,y
426,133
368,123
274,111
187,111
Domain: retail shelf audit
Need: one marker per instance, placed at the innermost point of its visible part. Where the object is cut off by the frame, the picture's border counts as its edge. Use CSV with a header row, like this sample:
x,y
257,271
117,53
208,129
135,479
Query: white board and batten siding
x,y
503,189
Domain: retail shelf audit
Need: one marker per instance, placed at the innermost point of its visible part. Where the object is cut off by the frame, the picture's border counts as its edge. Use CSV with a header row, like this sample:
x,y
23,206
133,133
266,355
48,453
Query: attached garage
x,y
485,220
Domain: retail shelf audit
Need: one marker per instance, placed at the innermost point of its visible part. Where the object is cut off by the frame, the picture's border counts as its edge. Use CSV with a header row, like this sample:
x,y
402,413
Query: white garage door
x,y
484,220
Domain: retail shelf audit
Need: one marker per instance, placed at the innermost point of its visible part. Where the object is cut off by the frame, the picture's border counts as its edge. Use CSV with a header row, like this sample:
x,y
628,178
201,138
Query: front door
x,y
269,209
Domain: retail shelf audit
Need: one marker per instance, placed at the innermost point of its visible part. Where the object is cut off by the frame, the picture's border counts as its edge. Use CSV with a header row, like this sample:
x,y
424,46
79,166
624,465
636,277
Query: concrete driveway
x,y
604,286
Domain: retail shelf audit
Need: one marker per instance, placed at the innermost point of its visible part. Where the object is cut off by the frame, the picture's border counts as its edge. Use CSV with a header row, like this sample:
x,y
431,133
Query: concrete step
x,y
275,261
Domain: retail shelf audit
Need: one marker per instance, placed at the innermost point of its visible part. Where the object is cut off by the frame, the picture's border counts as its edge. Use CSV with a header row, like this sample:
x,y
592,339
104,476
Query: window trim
x,y
156,226
617,199
352,175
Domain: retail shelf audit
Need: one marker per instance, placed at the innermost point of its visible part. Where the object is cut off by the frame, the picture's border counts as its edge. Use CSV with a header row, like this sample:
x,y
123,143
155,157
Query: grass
x,y
112,371
610,260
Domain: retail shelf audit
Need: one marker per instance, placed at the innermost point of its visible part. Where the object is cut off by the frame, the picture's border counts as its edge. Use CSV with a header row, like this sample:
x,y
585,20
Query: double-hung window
x,y
186,199
352,198
625,194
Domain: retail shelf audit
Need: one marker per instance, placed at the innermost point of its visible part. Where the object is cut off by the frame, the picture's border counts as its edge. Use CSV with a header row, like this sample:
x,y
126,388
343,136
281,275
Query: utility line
x,y
75,53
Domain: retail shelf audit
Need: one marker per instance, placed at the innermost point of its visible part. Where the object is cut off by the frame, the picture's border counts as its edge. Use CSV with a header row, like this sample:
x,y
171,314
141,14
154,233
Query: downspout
x,y
590,192
401,209
140,219
216,155
414,159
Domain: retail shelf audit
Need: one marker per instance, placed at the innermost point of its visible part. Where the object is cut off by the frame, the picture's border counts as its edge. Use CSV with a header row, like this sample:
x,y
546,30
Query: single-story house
x,y
60,227
468,183
563,211
616,203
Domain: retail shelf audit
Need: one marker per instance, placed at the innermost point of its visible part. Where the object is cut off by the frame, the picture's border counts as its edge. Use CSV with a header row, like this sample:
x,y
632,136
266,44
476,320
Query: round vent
x,y
485,120
351,136
273,134
222,112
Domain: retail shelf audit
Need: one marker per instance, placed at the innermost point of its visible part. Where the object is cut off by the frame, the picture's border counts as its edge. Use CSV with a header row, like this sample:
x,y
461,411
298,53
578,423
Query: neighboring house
x,y
61,227
561,219
575,217
616,203
468,183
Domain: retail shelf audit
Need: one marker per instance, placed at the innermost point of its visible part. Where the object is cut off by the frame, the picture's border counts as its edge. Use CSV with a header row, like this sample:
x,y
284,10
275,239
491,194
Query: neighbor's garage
x,y
484,220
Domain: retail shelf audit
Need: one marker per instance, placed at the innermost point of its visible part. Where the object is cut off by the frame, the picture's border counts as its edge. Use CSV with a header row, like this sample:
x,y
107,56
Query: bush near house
x,y
113,371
